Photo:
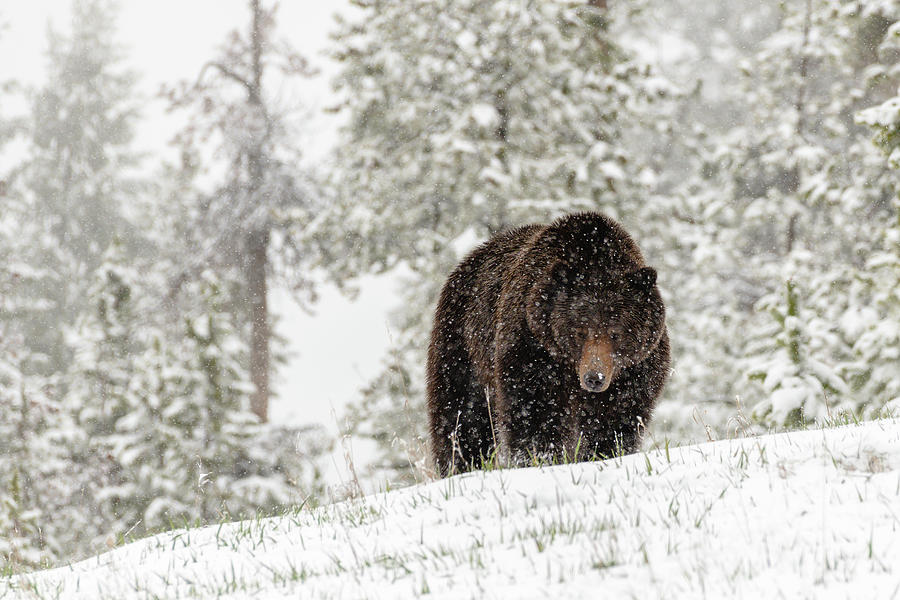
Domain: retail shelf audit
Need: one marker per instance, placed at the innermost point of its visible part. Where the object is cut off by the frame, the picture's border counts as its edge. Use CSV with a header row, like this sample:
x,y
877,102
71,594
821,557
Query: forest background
x,y
752,148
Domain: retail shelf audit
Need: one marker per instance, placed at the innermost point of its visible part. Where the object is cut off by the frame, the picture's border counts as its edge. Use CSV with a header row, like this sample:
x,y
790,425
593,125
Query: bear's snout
x,y
595,369
593,381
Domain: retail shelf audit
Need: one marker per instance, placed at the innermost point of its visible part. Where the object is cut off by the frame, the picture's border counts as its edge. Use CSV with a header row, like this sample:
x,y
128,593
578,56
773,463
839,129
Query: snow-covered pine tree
x,y
696,46
158,488
233,474
873,318
76,180
263,195
798,387
165,433
795,173
20,544
24,412
105,342
461,123
190,428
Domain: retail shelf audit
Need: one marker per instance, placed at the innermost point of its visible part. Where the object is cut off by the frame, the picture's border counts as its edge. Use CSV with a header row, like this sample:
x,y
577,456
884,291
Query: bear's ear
x,y
546,290
644,278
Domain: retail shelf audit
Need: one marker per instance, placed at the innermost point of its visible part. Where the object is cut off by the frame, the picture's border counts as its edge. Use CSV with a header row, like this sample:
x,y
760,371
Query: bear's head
x,y
599,323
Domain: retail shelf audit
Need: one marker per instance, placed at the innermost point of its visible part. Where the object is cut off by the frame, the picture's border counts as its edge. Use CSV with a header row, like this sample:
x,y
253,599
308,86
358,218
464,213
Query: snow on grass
x,y
796,515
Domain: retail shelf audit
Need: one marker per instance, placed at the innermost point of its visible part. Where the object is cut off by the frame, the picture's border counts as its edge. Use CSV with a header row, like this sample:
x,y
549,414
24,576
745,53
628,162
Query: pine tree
x,y
108,381
23,417
477,119
797,386
873,319
20,546
165,435
26,410
105,343
264,195
159,483
187,424
462,123
779,186
72,189
707,291
235,474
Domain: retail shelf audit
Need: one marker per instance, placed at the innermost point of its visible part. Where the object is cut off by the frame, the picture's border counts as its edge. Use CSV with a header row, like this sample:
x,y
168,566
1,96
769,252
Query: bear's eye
x,y
614,336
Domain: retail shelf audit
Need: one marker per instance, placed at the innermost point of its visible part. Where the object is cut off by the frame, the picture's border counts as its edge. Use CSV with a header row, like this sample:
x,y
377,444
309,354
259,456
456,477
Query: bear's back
x,y
471,294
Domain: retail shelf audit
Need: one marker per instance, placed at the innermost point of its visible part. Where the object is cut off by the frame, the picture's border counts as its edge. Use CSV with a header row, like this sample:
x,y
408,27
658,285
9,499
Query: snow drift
x,y
796,515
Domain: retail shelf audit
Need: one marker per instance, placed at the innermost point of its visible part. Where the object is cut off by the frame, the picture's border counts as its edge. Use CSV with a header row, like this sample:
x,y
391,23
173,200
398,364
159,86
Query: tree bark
x,y
257,263
257,242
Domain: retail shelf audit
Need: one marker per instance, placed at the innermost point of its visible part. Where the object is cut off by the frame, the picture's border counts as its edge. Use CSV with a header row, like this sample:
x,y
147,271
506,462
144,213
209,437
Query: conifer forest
x,y
751,147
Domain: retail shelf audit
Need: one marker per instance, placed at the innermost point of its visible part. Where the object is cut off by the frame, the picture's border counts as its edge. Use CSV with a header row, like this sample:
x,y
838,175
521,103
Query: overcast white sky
x,y
335,351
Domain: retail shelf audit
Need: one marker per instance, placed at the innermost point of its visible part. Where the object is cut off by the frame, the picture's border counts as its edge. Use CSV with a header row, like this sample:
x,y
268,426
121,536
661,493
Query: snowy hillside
x,y
807,514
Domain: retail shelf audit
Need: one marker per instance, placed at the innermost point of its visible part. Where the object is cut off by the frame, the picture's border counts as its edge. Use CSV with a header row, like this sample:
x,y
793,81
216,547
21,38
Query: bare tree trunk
x,y
792,177
257,245
257,248
791,233
800,103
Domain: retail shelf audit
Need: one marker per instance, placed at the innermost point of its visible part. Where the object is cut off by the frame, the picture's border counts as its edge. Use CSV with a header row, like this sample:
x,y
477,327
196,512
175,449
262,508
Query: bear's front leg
x,y
535,420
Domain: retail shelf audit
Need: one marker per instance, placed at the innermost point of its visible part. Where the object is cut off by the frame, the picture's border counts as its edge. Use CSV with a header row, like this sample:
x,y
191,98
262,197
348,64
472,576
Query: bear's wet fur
x,y
549,343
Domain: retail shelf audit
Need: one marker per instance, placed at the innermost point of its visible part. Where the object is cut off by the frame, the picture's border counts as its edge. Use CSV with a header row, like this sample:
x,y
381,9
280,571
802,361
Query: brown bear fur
x,y
549,341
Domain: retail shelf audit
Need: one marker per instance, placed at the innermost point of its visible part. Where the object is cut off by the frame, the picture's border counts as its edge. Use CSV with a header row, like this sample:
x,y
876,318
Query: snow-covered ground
x,y
798,515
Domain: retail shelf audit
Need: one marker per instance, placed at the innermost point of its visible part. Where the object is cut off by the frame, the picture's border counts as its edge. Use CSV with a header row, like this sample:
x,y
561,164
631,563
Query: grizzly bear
x,y
549,343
